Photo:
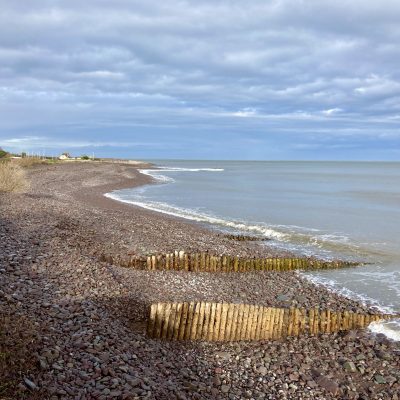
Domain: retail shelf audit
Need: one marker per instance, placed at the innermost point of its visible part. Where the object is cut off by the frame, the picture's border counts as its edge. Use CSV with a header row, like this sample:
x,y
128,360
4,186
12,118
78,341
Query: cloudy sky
x,y
209,79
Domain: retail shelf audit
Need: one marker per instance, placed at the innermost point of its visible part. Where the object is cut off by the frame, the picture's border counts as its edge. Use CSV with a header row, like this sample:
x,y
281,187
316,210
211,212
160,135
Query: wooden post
x,y
223,264
181,260
311,321
346,318
171,321
276,324
229,321
178,319
222,328
235,264
362,321
184,317
250,316
253,331
302,320
272,323
229,264
316,321
207,266
259,322
296,322
186,261
246,310
322,327
269,323
333,321
279,327
159,320
200,321
212,321
264,324
195,320
217,325
285,321
189,320
167,312
206,323
239,325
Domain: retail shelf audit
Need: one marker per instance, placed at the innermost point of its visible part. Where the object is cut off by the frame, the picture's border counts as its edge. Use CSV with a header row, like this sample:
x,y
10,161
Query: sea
x,y
346,210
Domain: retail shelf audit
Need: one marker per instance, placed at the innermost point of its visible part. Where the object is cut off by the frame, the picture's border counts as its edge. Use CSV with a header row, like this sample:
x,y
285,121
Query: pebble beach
x,y
83,319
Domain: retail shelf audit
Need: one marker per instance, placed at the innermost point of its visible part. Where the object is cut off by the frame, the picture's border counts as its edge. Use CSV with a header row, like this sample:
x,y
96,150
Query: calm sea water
x,y
331,209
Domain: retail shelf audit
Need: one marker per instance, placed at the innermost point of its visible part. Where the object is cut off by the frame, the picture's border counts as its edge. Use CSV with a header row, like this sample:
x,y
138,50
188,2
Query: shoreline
x,y
147,179
87,316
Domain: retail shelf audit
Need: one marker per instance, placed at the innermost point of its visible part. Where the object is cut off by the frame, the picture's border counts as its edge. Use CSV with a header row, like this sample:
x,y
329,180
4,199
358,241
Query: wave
x,y
345,292
199,217
158,176
171,169
305,241
391,329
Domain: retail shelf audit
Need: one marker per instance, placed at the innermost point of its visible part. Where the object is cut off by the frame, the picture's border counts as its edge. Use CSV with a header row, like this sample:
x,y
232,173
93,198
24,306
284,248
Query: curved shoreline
x,y
87,316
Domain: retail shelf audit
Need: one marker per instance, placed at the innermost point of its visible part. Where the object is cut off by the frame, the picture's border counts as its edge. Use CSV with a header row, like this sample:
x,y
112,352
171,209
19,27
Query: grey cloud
x,y
200,63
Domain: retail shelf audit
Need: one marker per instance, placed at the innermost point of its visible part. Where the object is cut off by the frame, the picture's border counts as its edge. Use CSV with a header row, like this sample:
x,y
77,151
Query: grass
x,y
12,177
28,162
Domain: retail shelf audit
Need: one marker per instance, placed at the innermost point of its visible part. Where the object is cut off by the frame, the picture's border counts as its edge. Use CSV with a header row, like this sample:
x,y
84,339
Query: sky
x,y
220,79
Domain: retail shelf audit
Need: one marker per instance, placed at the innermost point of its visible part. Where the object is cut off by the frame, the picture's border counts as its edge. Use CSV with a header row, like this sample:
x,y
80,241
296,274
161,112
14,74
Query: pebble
x,y
87,313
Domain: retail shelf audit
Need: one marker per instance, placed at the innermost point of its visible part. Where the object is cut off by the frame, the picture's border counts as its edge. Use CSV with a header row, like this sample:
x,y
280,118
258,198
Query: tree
x,y
3,153
85,157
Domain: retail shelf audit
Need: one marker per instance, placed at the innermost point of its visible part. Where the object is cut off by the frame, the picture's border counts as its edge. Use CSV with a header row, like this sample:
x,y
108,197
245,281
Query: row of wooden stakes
x,y
245,238
198,262
233,322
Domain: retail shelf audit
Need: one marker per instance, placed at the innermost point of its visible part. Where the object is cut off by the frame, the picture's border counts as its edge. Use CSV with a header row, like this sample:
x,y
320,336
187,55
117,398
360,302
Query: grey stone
x,y
262,370
31,385
328,384
349,366
223,355
225,388
379,379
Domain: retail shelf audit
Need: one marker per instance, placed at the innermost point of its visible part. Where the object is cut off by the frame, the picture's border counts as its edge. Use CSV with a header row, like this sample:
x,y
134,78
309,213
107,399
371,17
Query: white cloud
x,y
332,111
68,68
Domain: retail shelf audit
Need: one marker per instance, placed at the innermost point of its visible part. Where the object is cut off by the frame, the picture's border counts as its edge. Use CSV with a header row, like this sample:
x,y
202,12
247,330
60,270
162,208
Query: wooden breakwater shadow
x,y
206,262
233,322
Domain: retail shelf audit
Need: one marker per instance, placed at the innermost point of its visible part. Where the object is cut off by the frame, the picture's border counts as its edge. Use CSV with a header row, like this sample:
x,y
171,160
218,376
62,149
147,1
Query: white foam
x,y
345,292
171,169
391,329
199,217
158,176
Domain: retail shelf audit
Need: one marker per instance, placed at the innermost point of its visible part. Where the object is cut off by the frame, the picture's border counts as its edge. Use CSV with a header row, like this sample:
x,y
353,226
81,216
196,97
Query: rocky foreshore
x,y
73,326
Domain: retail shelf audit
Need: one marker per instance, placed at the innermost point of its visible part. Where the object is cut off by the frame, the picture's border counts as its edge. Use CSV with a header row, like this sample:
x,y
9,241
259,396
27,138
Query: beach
x,y
87,317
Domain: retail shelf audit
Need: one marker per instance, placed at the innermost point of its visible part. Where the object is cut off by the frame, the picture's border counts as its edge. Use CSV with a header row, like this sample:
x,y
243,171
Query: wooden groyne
x,y
245,238
234,322
206,262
